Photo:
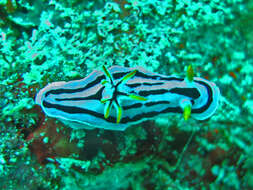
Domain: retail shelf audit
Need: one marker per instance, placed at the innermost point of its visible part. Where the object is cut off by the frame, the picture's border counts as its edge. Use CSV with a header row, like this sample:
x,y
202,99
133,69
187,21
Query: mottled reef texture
x,y
47,40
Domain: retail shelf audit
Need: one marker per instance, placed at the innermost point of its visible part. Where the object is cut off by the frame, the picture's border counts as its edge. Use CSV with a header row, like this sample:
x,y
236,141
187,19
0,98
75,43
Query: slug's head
x,y
203,98
208,101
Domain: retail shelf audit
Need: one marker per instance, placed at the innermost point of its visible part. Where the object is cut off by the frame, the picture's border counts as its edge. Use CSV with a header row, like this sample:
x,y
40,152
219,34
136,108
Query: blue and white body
x,y
120,97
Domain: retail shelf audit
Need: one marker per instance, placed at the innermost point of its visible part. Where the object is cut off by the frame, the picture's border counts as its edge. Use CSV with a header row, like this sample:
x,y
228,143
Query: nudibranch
x,y
119,97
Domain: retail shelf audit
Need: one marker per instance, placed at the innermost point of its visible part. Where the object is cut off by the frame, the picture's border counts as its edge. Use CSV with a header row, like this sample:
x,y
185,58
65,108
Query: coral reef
x,y
44,41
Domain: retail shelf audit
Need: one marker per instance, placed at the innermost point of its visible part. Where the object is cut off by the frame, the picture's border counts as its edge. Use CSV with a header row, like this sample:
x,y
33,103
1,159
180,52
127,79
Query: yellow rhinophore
x,y
187,112
190,73
187,106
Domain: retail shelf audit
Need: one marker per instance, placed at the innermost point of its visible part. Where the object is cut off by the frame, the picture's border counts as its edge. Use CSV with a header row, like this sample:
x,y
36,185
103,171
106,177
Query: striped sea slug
x,y
119,97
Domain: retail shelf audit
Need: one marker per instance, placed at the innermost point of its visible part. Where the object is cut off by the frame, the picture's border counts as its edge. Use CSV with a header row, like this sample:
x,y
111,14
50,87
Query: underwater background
x,y
43,41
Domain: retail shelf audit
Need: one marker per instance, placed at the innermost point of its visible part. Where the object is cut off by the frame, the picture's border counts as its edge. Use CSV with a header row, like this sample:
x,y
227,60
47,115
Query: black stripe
x,y
145,83
116,76
151,114
119,75
136,105
124,120
77,110
156,103
97,96
189,92
209,100
152,92
148,104
88,85
72,109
